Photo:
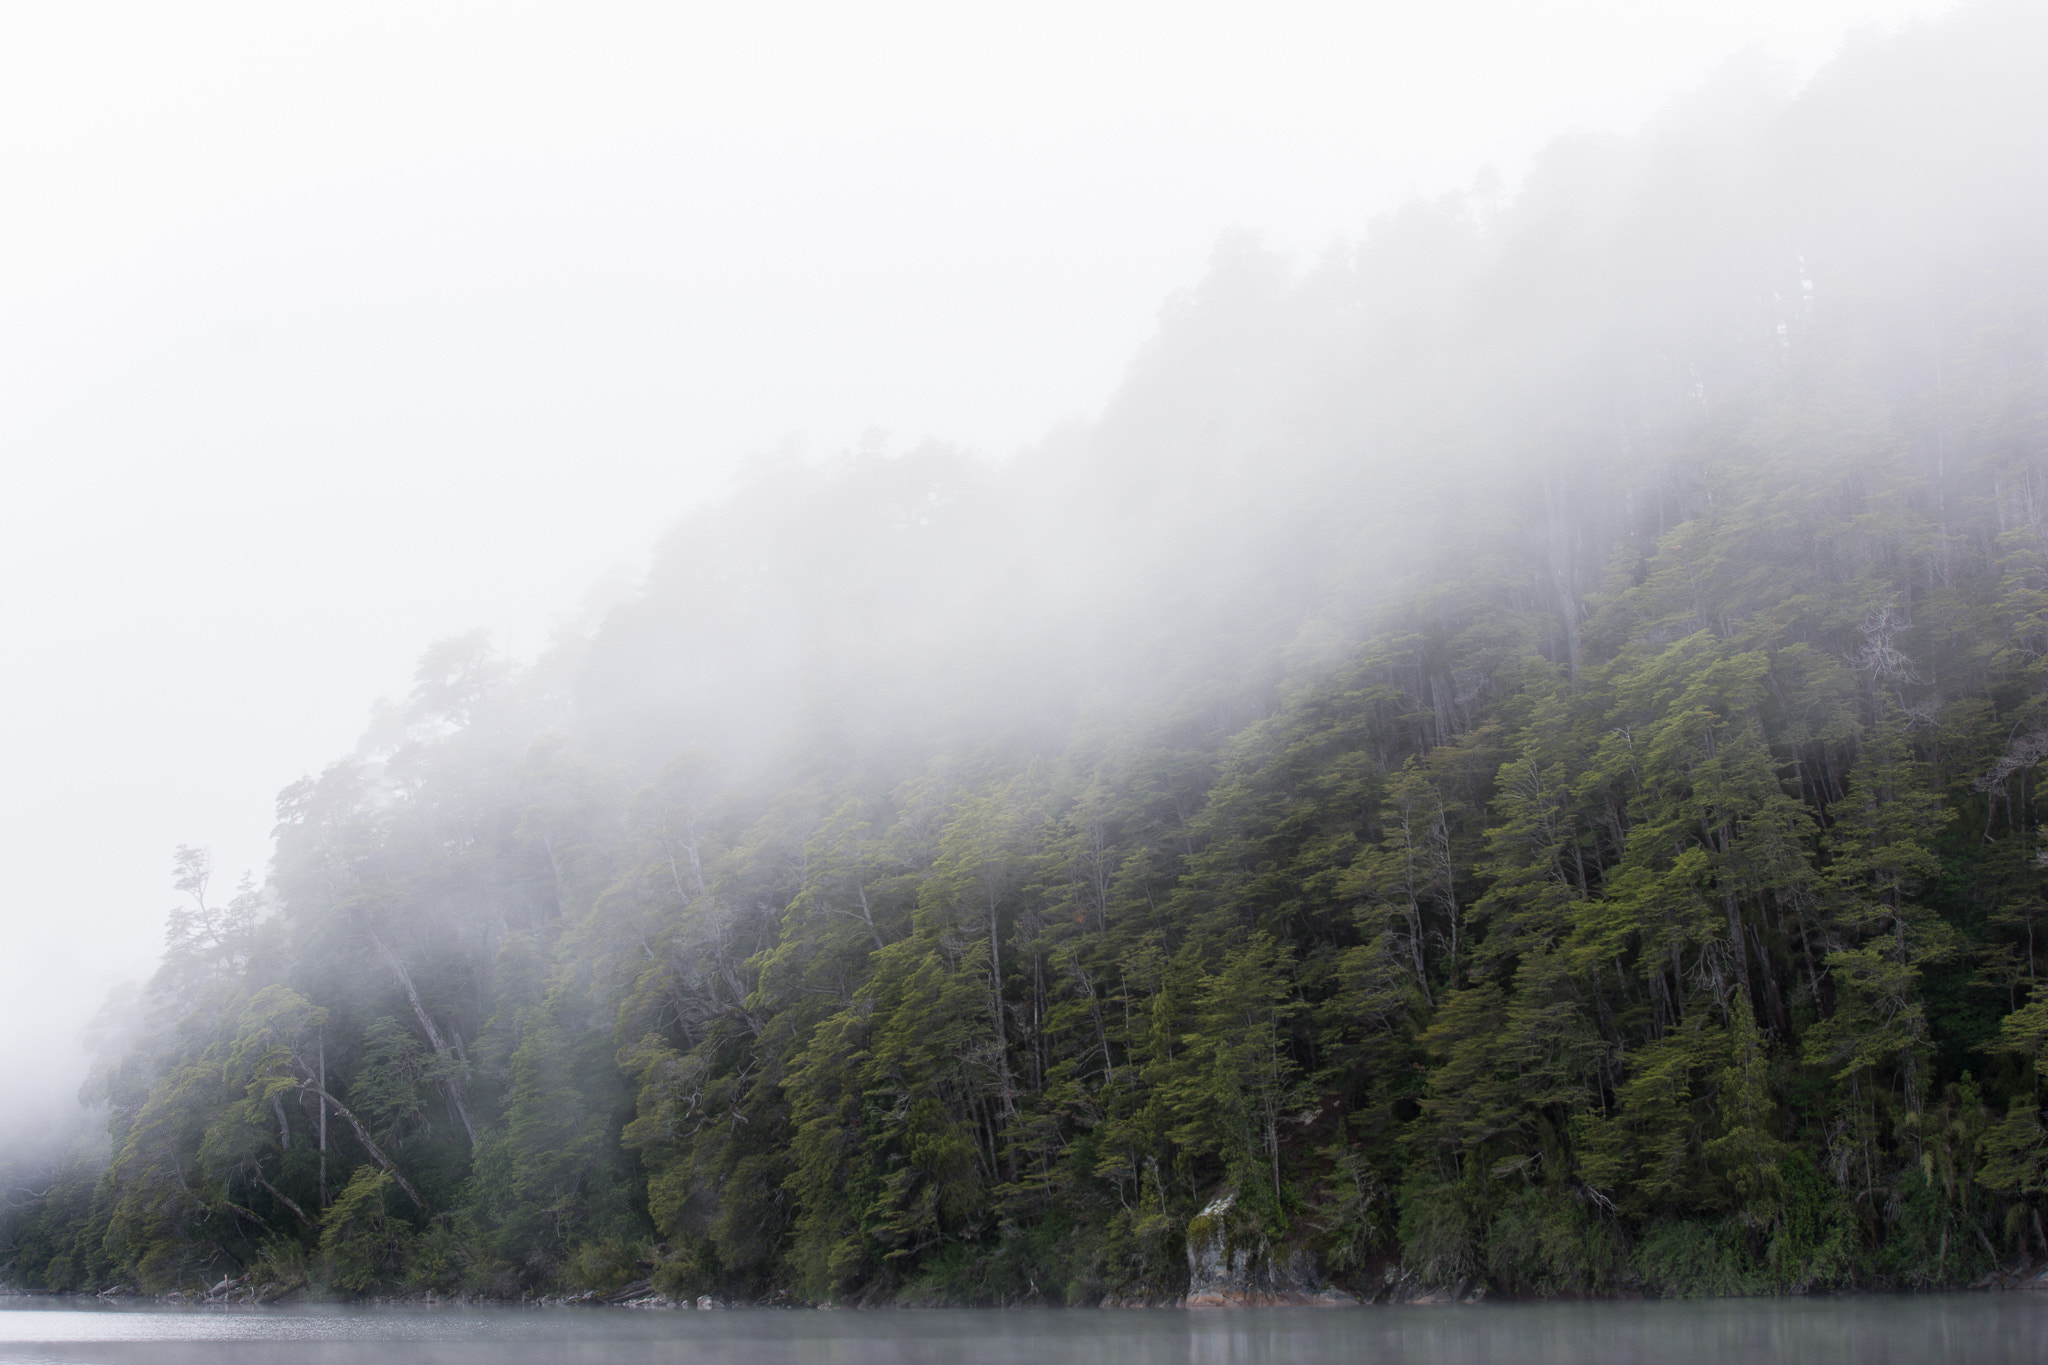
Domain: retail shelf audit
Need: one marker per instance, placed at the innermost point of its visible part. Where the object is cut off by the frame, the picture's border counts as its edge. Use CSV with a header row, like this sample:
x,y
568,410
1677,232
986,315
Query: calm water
x,y
1985,1329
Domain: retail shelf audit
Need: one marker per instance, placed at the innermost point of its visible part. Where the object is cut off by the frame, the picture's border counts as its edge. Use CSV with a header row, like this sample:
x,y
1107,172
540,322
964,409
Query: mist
x,y
324,344
588,520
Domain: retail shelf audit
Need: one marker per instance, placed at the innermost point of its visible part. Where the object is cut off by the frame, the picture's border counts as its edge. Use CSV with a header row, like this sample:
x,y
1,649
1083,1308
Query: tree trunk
x,y
323,1118
370,1146
440,1045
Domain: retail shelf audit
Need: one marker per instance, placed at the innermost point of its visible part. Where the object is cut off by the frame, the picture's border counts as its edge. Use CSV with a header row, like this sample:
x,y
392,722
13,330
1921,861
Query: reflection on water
x,y
1986,1329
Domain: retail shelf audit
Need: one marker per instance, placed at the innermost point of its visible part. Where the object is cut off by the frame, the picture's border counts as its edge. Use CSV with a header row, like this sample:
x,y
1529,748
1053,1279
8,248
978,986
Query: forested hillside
x,y
1516,752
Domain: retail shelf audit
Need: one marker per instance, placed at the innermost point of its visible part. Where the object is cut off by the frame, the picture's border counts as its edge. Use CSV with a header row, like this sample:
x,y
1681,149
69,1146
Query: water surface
x,y
1987,1329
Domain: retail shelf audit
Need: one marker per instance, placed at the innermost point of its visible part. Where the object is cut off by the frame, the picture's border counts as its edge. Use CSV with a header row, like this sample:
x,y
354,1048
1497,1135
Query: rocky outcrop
x,y
2026,1275
1400,1285
1231,1264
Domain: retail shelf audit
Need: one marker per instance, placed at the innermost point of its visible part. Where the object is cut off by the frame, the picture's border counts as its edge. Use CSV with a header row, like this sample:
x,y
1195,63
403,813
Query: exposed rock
x,y
630,1293
1232,1265
2033,1276
1404,1286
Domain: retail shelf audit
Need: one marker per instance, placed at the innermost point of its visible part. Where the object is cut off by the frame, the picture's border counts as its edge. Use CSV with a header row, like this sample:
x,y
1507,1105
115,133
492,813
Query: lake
x,y
1985,1329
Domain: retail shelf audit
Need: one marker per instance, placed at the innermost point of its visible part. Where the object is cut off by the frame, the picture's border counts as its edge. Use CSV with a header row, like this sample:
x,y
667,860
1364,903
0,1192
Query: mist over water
x,y
1995,1330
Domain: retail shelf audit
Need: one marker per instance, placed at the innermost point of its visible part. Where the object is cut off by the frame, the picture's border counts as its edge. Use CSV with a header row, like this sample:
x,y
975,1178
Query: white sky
x,y
327,330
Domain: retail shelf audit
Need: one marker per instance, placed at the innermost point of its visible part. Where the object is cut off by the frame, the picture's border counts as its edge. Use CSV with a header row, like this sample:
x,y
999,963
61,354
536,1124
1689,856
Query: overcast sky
x,y
328,330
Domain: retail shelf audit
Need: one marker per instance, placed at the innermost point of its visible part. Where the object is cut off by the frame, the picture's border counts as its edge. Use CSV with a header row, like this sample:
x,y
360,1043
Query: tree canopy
x,y
1515,752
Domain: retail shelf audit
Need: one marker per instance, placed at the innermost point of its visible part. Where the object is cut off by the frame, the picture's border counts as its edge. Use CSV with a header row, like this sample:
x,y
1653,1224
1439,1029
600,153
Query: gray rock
x,y
1232,1265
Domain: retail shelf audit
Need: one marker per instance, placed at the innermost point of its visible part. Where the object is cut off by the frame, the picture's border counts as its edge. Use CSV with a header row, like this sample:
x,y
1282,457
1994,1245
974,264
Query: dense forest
x,y
1514,753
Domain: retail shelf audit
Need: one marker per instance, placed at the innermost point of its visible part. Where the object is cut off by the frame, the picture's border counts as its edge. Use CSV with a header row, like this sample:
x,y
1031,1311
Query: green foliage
x,y
281,1267
361,1244
1688,1259
1593,845
604,1264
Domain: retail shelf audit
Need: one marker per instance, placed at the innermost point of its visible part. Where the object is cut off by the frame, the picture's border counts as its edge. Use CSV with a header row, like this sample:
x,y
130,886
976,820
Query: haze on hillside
x,y
1505,752
329,335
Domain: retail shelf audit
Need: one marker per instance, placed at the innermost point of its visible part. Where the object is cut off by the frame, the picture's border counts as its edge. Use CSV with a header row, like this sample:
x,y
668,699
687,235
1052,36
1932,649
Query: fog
x,y
1770,1331
326,336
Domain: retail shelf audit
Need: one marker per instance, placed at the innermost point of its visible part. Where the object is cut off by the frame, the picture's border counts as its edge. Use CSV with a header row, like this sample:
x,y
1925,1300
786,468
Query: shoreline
x,y
2034,1280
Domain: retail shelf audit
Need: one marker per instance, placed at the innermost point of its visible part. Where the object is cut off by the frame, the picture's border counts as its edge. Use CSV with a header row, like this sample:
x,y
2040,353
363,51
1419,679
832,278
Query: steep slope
x,y
1515,755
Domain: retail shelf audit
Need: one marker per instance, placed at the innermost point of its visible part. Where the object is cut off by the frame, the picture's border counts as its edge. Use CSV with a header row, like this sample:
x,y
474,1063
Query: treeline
x,y
1537,785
